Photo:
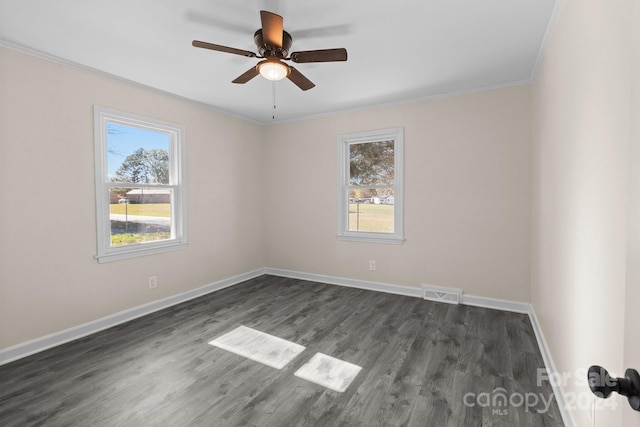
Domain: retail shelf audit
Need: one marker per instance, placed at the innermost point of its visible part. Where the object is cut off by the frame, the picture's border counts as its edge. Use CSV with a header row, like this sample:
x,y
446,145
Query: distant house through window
x,y
370,186
139,185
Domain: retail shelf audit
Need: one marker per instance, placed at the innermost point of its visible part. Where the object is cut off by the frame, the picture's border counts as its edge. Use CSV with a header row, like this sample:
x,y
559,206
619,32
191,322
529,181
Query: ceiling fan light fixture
x,y
273,70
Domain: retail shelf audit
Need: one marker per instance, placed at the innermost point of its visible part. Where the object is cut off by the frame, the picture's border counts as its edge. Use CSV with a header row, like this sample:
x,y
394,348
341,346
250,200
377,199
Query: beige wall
x,y
467,195
581,172
49,280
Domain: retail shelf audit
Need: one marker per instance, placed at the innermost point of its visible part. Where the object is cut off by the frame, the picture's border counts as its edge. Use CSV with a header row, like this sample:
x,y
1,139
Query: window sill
x,y
371,238
138,251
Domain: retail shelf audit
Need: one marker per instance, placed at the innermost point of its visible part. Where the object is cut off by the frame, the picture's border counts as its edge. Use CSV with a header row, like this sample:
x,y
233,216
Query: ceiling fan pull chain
x,y
273,91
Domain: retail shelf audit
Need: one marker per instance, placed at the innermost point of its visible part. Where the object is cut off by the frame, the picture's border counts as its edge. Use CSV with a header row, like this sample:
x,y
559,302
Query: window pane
x,y
372,210
371,163
139,215
137,155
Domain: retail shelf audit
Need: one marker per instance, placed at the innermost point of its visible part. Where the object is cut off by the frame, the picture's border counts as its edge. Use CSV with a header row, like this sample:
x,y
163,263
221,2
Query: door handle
x,y
602,384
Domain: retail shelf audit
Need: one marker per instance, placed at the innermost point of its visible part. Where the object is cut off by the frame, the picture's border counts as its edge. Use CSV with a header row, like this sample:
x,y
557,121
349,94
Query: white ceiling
x,y
398,51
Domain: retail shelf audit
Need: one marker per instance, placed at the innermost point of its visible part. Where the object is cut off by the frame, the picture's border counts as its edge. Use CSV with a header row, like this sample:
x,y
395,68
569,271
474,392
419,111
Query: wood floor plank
x,y
423,363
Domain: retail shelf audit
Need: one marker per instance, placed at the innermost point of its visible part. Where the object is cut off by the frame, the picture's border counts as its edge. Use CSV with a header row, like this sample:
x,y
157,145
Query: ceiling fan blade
x,y
246,76
272,27
220,48
321,55
299,79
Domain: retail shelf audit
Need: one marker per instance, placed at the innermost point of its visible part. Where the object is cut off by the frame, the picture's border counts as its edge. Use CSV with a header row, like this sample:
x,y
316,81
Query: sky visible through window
x,y
123,140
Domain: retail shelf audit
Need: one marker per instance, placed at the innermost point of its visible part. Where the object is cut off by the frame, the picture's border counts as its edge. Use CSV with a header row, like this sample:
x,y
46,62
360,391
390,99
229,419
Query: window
x,y
140,188
370,186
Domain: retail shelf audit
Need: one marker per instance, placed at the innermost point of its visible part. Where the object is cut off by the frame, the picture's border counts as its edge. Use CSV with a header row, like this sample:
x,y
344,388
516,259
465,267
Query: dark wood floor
x,y
424,364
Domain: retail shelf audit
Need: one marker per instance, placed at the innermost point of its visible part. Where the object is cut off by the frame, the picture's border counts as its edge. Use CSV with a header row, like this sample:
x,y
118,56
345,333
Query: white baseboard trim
x,y
43,343
567,417
496,304
350,283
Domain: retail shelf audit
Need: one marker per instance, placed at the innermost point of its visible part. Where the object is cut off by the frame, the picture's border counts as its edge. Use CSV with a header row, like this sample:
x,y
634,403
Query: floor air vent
x,y
434,293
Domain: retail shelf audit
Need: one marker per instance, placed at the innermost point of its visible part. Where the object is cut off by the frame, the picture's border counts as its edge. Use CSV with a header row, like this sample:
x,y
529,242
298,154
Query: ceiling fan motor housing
x,y
269,51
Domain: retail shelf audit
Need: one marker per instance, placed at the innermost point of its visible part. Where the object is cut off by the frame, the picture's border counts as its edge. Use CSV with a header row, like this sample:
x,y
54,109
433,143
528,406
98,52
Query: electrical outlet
x,y
372,266
153,282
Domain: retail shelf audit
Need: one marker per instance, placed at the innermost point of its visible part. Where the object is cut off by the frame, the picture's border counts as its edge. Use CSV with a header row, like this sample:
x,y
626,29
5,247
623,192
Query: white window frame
x,y
344,141
177,183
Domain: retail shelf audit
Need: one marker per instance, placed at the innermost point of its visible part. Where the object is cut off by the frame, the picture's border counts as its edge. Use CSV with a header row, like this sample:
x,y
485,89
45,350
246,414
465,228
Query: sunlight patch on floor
x,y
259,347
329,372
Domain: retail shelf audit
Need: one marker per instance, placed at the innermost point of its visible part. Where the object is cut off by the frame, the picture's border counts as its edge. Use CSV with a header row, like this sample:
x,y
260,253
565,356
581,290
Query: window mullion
x,y
376,187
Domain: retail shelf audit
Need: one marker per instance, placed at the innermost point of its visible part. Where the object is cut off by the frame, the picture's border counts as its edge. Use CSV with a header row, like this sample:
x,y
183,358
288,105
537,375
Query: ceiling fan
x,y
273,46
